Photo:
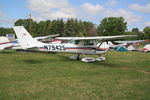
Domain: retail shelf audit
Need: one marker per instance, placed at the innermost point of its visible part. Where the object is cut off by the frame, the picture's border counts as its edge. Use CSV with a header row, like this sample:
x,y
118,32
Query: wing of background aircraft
x,y
133,41
46,37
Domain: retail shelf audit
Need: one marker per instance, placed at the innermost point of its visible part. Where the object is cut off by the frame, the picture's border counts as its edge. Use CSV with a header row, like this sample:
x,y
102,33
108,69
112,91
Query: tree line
x,y
73,27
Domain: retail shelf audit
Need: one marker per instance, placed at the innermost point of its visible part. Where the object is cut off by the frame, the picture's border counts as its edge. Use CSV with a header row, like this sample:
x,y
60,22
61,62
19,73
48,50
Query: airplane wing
x,y
65,38
45,37
95,38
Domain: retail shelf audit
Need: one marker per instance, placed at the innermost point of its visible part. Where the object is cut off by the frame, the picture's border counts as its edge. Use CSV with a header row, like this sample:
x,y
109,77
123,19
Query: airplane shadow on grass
x,y
39,61
6,52
105,63
65,58
33,61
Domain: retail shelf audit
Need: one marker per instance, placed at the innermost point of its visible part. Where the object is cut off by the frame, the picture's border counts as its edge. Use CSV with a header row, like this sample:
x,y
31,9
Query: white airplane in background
x,y
124,43
4,43
132,45
78,45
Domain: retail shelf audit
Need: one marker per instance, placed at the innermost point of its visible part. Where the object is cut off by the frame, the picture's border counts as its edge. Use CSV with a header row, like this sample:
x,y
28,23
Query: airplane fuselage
x,y
72,48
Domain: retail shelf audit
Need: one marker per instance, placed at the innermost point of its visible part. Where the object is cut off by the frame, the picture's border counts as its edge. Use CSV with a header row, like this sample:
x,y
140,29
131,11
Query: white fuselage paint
x,y
72,48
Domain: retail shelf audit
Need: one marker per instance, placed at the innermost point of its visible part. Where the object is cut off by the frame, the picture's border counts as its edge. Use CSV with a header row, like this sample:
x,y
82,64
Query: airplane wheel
x,y
101,59
88,59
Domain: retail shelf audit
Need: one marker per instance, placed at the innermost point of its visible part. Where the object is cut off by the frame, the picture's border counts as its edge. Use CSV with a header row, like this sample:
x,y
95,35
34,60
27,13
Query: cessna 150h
x,y
78,45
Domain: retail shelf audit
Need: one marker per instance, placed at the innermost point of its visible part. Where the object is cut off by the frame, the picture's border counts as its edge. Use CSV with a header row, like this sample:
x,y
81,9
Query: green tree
x,y
147,32
40,28
74,27
112,26
56,27
140,35
135,30
90,29
26,24
4,31
70,28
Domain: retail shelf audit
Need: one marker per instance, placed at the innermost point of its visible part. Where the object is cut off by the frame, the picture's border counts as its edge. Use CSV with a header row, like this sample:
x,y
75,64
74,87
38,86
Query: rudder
x,y
25,39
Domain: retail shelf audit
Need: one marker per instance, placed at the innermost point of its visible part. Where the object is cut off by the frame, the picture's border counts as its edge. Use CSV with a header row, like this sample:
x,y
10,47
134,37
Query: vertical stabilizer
x,y
25,39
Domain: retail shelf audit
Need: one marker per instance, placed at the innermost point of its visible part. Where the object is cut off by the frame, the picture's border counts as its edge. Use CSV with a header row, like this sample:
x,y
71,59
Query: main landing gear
x,y
87,59
77,57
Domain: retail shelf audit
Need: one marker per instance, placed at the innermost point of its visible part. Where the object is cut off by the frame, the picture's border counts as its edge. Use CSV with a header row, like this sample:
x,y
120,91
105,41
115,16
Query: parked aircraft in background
x,y
146,48
78,45
4,43
132,45
47,39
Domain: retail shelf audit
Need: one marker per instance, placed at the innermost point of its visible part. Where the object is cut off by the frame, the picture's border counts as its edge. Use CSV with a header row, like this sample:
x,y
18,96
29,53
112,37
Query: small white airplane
x,y
4,43
78,45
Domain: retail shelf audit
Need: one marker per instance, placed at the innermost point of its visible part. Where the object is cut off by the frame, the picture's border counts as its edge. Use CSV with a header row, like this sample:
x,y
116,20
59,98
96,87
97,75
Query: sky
x,y
135,12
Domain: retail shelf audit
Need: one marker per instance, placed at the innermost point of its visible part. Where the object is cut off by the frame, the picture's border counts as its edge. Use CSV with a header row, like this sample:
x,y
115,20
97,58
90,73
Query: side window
x,y
74,41
89,42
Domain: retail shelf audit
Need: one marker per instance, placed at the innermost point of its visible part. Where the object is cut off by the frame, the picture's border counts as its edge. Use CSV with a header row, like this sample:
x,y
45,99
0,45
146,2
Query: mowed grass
x,y
46,76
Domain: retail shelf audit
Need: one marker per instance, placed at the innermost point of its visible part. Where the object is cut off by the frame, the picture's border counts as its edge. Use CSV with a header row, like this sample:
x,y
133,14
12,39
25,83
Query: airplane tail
x,y
25,39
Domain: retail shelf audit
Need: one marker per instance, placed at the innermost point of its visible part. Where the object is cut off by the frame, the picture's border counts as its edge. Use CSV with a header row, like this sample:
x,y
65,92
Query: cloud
x,y
111,3
147,24
129,16
99,10
1,17
2,14
52,8
92,9
37,18
140,8
4,20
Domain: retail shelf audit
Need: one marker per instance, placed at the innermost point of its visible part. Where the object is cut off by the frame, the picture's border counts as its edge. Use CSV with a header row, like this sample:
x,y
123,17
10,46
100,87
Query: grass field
x,y
43,76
